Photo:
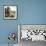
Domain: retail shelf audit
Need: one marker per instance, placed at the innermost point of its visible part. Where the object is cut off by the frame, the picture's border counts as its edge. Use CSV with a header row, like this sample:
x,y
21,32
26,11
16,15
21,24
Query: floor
x,y
28,43
31,43
7,45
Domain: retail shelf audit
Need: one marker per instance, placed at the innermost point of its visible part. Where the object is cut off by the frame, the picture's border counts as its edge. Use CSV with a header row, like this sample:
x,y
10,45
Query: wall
x,y
29,12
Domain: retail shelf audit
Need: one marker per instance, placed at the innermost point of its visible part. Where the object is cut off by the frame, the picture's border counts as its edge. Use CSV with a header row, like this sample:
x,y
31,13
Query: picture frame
x,y
10,12
34,32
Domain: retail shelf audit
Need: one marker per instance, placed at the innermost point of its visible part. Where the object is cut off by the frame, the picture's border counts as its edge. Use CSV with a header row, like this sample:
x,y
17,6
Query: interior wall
x,y
29,12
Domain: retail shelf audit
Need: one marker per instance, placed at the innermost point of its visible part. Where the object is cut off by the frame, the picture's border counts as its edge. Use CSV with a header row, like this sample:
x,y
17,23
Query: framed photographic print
x,y
10,12
32,32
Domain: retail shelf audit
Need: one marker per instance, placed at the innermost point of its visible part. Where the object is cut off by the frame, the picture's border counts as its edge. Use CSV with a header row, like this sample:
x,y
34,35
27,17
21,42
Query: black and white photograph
x,y
33,32
10,12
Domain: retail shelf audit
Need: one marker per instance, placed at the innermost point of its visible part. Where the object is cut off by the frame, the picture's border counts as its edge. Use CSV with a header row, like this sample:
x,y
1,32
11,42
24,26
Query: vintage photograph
x,y
10,12
33,32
